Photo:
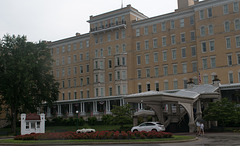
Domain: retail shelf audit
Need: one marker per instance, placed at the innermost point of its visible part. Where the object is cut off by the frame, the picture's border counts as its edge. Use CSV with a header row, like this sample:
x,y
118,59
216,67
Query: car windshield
x,y
159,123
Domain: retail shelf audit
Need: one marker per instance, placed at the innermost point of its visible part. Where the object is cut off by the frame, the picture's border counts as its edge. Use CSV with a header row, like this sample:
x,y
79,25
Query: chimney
x,y
216,81
77,34
182,4
190,84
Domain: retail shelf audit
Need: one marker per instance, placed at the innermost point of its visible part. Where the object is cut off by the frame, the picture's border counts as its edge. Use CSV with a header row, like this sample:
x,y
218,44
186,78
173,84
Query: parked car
x,y
85,130
149,126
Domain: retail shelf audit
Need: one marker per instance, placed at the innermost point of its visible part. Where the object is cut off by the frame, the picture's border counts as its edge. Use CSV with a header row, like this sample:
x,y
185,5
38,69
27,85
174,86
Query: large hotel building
x,y
125,53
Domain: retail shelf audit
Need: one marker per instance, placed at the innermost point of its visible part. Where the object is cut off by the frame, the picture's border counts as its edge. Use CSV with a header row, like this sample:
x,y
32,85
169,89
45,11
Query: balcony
x,y
109,27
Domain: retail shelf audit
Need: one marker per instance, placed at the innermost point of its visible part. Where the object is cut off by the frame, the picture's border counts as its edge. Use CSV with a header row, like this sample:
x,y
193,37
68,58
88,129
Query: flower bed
x,y
94,135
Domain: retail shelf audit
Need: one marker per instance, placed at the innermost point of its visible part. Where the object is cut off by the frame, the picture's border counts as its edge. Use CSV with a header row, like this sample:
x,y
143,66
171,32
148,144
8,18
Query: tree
x,y
25,79
224,111
122,115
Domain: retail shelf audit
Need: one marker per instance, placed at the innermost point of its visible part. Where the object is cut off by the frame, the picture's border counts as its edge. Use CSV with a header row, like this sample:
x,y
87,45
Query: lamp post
x,y
77,118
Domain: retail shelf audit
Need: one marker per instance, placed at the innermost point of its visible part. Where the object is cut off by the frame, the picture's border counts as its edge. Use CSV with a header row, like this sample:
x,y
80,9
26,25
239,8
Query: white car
x,y
149,126
85,130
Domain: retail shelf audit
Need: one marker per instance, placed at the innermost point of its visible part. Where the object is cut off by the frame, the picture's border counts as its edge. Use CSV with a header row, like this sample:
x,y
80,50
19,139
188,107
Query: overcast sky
x,y
57,19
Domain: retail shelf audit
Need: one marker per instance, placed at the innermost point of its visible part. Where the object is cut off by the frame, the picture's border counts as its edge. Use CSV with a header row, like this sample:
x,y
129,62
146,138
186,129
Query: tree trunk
x,y
14,120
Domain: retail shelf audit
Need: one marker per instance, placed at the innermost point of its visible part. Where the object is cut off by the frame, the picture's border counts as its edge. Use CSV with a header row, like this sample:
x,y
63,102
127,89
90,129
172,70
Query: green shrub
x,y
92,121
107,119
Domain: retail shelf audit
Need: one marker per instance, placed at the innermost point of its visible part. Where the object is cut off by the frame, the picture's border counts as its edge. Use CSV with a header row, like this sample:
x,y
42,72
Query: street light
x,y
77,118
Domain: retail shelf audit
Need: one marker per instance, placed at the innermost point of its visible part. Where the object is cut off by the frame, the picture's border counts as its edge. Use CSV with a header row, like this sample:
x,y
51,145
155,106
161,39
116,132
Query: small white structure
x,y
32,123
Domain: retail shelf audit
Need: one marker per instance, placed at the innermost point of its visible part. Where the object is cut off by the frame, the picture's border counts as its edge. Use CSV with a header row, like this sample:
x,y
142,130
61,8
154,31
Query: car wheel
x,y
154,130
135,130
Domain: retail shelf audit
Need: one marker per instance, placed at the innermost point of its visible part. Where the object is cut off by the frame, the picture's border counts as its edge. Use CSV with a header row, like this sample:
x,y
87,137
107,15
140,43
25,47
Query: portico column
x,y
49,112
95,112
199,110
189,108
70,113
83,113
59,110
108,111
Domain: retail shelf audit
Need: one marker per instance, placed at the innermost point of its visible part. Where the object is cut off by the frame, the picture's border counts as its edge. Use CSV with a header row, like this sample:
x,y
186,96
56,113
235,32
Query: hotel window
x,y
164,55
69,83
184,67
201,14
88,80
193,48
154,28
57,73
101,52
166,85
165,70
174,54
163,26
81,94
155,56
194,66
109,36
75,95
109,51
87,56
96,39
123,61
147,59
173,39
81,45
238,59
63,49
96,64
183,37
174,69
229,59
139,73
237,24
138,60
124,77
101,38
137,32
146,30
63,60
110,91
138,46
109,63
101,65
57,62
69,71
191,20
202,31
156,86
63,84
69,95
212,45
81,82
225,9
116,21
75,70
148,73
123,48
230,77
87,43
185,84
156,71
238,41
172,24
139,88
74,58
87,70
101,92
63,72
182,22
117,61
96,78
57,50
117,49
192,35
210,29
204,47
88,94
213,62
123,34
209,10
175,84
63,96
164,41
81,57
183,50
227,26
146,45
228,43
204,61
96,92
96,53
236,6
148,87
110,77
124,89
81,69
116,35
155,43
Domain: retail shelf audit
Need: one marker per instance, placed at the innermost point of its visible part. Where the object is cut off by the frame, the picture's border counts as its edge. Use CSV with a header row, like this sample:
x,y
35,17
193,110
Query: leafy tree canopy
x,y
122,114
25,79
224,111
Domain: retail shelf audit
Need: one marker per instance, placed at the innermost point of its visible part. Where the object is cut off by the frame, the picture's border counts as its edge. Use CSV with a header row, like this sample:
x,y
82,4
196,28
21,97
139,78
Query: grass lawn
x,y
175,138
